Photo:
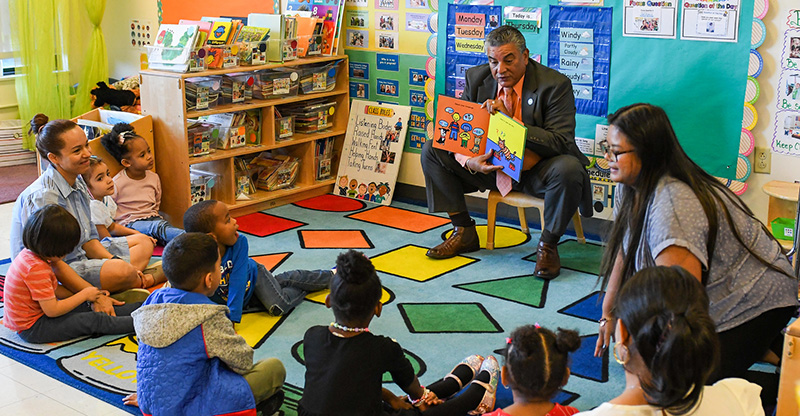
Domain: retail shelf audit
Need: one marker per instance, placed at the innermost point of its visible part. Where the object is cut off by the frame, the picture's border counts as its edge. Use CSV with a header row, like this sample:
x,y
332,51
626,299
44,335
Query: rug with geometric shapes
x,y
439,311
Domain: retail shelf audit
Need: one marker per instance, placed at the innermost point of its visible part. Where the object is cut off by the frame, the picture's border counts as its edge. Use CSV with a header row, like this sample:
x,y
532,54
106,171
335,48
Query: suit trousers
x,y
559,180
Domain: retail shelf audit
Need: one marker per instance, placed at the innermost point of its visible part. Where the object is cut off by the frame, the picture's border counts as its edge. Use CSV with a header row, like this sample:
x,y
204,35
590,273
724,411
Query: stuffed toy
x,y
106,95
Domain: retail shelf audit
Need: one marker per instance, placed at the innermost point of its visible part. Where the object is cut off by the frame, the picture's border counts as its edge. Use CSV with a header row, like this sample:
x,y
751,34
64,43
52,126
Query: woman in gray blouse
x,y
669,211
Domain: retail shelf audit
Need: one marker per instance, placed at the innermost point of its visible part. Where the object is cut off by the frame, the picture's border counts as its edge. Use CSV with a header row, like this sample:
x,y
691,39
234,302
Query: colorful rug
x,y
439,310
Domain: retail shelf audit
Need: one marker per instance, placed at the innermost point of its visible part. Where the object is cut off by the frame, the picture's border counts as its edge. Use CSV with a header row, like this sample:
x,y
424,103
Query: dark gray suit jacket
x,y
548,111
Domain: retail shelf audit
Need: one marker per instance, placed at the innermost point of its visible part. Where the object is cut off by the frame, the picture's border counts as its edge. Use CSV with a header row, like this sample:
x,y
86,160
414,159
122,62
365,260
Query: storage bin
x,y
223,56
274,83
202,93
281,50
254,53
318,78
237,88
203,137
275,171
783,228
197,60
311,117
202,183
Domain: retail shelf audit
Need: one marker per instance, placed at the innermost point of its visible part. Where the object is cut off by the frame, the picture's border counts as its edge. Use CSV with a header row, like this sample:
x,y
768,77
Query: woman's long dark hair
x,y
649,131
665,312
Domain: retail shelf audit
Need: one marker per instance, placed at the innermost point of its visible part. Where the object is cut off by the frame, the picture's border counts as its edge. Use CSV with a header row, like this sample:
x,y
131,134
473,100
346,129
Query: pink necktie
x,y
503,180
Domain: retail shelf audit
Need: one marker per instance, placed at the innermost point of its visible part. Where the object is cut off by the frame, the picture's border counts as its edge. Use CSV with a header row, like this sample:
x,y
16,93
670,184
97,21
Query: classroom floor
x,y
26,391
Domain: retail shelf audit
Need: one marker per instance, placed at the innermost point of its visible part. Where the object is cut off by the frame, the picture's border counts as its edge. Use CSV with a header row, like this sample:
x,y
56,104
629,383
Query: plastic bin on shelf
x,y
254,53
275,171
202,183
237,88
783,228
276,83
281,50
222,56
311,116
202,93
310,45
318,77
203,137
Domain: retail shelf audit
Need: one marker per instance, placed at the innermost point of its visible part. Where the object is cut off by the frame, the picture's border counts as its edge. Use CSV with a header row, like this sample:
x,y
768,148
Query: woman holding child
x,y
115,264
669,211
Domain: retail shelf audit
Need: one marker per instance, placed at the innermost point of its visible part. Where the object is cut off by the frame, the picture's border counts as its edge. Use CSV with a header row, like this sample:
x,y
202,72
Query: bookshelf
x,y
162,95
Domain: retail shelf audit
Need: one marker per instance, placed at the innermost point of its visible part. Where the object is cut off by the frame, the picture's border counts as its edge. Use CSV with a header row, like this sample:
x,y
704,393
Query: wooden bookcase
x,y
162,95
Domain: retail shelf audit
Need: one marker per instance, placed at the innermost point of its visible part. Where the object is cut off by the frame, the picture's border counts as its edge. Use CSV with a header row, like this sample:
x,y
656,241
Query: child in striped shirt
x,y
35,305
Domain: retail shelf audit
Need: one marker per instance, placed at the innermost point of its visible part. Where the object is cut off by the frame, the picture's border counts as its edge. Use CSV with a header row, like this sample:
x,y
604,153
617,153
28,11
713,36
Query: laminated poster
x,y
648,19
373,147
786,138
710,20
467,27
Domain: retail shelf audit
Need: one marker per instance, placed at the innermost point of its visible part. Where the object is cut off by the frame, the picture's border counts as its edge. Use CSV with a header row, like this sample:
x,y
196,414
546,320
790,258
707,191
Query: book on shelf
x,y
253,34
220,32
173,45
203,26
466,128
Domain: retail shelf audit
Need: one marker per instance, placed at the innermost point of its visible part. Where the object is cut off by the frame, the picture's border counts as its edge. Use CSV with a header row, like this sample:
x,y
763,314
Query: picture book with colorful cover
x,y
461,126
506,138
331,14
173,44
253,34
464,127
220,32
205,29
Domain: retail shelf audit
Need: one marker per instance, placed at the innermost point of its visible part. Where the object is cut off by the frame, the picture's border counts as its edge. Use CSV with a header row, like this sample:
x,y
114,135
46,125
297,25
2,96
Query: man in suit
x,y
553,166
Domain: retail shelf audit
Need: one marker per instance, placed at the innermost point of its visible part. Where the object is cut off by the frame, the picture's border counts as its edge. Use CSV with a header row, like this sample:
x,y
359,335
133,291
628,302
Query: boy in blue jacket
x,y
190,360
242,276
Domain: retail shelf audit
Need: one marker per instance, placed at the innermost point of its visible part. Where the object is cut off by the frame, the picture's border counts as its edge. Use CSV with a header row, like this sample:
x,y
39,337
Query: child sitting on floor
x,y
345,362
190,360
536,367
36,306
138,189
242,277
101,186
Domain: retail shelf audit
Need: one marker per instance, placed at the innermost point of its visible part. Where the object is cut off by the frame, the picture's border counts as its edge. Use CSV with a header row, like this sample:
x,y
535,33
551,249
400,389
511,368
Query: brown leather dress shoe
x,y
462,240
548,264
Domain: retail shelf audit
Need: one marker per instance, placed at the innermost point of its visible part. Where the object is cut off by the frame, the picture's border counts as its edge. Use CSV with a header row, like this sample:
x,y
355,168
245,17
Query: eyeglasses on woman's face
x,y
614,154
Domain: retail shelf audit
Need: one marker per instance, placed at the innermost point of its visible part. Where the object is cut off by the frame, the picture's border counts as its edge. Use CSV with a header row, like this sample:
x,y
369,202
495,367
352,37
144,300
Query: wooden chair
x,y
521,201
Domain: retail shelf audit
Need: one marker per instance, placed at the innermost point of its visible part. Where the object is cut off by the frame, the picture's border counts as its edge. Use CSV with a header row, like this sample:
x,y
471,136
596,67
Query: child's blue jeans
x,y
281,293
157,228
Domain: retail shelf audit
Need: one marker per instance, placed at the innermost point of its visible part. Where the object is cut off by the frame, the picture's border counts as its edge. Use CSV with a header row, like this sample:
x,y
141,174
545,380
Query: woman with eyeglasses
x,y
113,264
669,211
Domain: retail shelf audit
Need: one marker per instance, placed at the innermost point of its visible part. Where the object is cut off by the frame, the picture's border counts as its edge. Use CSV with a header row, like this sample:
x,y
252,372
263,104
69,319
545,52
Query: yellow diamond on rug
x,y
410,262
255,327
504,237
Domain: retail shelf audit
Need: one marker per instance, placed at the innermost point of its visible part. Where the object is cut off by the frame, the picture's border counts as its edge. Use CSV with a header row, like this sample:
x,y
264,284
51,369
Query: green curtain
x,y
95,68
39,32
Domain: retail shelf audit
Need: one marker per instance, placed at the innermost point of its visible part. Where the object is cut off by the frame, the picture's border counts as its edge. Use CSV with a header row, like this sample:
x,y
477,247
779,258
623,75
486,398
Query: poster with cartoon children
x,y
373,146
461,126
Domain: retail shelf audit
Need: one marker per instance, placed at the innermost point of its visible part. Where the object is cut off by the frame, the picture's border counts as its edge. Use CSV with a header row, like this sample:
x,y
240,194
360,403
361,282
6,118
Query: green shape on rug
x,y
448,318
527,290
583,258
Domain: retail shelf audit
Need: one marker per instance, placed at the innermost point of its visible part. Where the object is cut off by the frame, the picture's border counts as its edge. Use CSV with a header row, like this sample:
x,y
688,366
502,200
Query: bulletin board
x,y
386,41
700,84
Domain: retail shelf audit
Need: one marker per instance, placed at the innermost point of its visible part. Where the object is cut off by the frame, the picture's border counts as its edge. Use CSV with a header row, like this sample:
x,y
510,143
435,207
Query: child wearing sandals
x,y
36,306
536,366
138,189
345,362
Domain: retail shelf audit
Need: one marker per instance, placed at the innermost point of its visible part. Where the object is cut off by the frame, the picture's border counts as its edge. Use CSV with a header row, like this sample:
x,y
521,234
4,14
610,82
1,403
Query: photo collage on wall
x,y
382,39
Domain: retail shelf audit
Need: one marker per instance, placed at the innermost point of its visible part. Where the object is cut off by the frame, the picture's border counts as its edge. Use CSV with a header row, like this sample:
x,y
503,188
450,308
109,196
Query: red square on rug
x,y
261,225
334,239
331,203
401,219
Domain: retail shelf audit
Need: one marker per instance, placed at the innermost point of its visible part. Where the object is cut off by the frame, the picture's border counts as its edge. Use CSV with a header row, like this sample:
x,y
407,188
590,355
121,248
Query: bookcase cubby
x,y
162,96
